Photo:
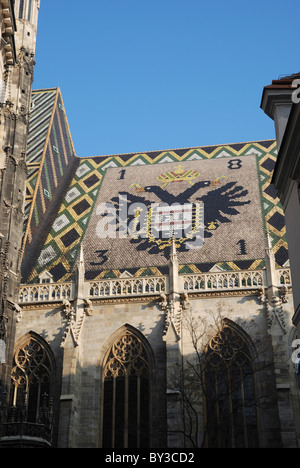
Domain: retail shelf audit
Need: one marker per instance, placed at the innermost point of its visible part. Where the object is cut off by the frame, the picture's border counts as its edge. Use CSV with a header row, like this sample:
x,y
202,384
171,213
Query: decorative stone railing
x,y
231,280
128,287
285,278
17,431
152,285
46,292
223,281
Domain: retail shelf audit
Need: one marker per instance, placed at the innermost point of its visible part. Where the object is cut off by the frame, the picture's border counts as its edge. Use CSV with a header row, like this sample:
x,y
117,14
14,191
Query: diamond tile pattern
x,y
66,218
51,165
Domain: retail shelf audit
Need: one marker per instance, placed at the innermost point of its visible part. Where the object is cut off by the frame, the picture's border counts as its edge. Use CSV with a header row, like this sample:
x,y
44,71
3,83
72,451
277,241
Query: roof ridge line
x,y
174,149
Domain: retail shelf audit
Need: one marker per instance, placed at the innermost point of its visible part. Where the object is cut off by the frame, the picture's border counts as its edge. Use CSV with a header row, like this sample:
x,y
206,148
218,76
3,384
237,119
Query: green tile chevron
x,y
52,156
77,207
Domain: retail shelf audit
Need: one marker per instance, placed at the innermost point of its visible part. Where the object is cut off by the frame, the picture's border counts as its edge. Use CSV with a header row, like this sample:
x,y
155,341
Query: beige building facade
x,y
170,323
280,101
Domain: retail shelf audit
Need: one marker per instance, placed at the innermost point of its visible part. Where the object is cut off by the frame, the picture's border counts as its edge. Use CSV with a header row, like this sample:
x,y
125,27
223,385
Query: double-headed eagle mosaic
x,y
194,212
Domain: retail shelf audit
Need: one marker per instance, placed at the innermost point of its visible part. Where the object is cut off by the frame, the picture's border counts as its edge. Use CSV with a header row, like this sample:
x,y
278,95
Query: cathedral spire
x,y
272,280
80,273
173,255
173,266
15,107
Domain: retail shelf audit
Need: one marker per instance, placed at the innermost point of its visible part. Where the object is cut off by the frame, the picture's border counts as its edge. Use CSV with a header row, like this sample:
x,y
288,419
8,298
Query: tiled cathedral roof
x,y
64,193
51,163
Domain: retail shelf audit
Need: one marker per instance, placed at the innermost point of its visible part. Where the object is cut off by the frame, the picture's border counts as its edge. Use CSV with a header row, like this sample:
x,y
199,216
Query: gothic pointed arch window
x,y
231,407
126,393
21,9
29,10
31,377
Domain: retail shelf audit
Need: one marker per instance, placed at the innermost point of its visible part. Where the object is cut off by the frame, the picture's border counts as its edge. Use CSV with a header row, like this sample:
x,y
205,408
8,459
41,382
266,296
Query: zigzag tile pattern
x,y
59,252
41,112
51,164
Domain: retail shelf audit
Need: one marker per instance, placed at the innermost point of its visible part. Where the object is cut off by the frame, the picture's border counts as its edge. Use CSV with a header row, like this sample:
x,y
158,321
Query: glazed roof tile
x,y
225,188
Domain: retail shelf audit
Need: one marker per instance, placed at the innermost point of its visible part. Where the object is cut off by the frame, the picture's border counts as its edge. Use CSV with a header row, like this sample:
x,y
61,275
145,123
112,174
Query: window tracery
x,y
21,9
29,10
31,378
126,394
231,417
127,357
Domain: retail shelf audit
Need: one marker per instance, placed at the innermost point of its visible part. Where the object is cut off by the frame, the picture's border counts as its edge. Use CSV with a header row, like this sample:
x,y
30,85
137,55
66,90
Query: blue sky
x,y
143,75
